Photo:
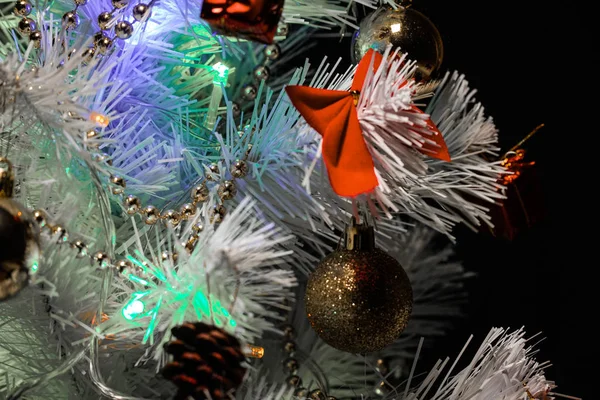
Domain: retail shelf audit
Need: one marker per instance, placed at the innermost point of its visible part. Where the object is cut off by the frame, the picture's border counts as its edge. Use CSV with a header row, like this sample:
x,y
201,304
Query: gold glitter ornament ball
x,y
404,28
359,298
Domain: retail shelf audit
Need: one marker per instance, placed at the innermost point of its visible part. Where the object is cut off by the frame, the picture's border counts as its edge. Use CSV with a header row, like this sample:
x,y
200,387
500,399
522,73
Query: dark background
x,y
525,60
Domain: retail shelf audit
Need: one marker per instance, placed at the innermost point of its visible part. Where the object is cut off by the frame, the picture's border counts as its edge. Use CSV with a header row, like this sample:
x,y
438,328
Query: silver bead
x,y
227,190
123,30
81,247
36,38
61,233
119,3
88,55
214,170
70,19
172,217
249,91
104,19
293,380
117,180
103,45
22,8
80,2
40,217
132,204
101,259
289,347
200,193
301,392
152,215
239,169
217,214
140,11
291,364
236,110
317,394
187,210
124,266
198,227
261,73
26,26
272,51
282,29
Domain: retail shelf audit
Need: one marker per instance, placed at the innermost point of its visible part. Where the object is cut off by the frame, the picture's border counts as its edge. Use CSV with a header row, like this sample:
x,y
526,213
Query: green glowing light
x,y
34,268
220,73
134,307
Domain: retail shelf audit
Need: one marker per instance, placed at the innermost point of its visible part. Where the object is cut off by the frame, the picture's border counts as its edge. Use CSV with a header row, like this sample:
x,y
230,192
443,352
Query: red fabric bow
x,y
332,113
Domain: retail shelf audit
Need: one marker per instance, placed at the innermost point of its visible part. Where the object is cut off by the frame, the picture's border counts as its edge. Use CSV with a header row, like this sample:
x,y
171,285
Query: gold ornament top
x,y
7,179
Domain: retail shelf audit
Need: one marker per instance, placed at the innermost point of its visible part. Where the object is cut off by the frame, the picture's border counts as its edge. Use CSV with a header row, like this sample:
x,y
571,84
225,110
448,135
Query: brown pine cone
x,y
206,359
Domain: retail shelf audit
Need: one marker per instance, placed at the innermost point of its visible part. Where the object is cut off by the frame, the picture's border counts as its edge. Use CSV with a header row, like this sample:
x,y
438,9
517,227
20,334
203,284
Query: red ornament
x,y
333,114
245,19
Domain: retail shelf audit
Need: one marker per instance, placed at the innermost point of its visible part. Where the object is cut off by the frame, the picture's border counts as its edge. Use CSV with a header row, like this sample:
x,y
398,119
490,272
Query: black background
x,y
527,62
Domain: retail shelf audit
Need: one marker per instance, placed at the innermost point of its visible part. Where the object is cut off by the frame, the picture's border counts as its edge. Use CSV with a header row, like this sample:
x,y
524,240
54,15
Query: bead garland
x,y
292,365
199,194
70,20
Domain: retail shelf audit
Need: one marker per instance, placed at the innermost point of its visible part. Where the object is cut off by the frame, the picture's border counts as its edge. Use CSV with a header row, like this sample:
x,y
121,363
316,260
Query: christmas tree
x,y
188,209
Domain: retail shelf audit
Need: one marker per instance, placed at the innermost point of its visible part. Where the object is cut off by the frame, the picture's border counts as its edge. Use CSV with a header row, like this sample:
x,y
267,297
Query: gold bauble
x,y
403,28
359,298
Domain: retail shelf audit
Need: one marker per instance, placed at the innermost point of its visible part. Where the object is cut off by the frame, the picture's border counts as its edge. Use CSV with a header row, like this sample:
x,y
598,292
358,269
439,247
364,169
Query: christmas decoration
x,y
243,19
207,362
406,29
333,114
359,298
19,247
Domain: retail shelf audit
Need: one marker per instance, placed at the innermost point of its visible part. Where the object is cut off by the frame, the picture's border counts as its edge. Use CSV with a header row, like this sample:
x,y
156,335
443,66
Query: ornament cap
x,y
7,178
359,236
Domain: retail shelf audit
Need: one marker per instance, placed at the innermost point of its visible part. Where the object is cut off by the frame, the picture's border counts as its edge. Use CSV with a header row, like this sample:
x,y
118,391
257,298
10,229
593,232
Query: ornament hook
x,y
7,179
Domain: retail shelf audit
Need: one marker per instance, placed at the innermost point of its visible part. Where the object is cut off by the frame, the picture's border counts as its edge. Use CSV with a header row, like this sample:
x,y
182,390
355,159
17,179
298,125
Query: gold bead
x,y
36,38
102,158
239,169
214,170
187,211
317,394
301,393
289,347
60,232
217,214
40,217
119,3
294,380
152,215
104,19
291,364
88,55
22,8
132,204
90,136
381,366
101,259
117,190
81,248
167,255
190,244
288,331
200,193
172,217
124,266
117,180
227,190
103,45
26,26
198,227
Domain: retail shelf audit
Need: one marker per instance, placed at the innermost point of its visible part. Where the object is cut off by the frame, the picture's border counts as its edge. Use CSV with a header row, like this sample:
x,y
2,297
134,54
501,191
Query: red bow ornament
x,y
335,115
